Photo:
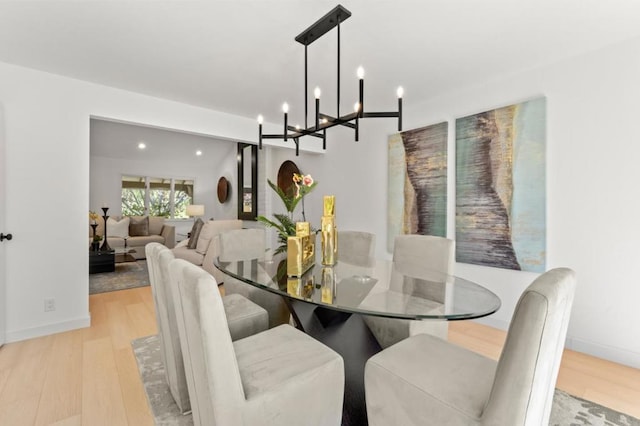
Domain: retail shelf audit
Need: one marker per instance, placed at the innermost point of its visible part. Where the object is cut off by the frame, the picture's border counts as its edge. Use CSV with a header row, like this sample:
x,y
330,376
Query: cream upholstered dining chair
x,y
244,318
246,244
357,248
278,377
421,257
424,380
356,253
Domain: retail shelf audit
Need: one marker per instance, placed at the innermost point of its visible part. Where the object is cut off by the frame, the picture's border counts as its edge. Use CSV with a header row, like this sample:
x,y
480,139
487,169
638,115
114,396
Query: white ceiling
x,y
120,140
240,56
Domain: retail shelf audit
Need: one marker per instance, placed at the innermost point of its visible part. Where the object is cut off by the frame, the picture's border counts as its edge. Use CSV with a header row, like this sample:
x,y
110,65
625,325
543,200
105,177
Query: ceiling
x,y
240,56
117,140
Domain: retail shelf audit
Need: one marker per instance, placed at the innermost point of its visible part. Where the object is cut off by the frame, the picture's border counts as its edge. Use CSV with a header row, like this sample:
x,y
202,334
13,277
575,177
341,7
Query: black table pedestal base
x,y
348,335
329,317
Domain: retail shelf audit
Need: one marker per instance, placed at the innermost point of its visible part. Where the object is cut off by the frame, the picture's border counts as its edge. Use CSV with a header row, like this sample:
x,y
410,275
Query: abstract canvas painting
x,y
500,187
417,182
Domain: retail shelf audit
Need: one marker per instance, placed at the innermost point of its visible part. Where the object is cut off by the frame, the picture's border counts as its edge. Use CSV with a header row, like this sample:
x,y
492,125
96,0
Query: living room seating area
x,y
135,232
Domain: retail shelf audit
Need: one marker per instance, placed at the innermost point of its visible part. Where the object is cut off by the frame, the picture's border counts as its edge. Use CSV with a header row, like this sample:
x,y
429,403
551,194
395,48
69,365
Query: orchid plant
x,y
93,216
285,225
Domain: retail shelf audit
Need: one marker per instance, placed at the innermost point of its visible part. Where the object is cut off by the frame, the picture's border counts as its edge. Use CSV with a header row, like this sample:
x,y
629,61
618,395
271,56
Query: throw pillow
x,y
156,224
118,228
139,226
195,233
204,238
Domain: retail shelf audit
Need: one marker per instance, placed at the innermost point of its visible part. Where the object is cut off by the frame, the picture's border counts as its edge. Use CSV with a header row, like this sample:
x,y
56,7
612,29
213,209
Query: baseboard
x,y
493,322
620,356
45,330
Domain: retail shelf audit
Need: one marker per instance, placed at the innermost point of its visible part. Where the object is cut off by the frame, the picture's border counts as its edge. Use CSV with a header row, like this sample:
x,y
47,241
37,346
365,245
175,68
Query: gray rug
x,y
567,410
127,275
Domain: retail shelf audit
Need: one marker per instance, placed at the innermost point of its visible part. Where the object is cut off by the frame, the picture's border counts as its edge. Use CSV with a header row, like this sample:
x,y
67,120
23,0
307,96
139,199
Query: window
x,y
133,195
182,197
165,197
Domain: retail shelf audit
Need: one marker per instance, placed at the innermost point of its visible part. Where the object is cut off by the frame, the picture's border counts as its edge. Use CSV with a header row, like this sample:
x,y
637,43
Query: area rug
x,y
127,275
567,410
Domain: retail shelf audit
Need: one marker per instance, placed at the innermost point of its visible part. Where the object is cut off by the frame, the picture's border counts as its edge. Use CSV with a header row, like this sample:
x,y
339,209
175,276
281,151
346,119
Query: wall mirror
x,y
247,181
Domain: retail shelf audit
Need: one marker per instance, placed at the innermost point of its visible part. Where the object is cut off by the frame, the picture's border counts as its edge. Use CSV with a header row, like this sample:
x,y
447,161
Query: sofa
x,y
205,246
135,232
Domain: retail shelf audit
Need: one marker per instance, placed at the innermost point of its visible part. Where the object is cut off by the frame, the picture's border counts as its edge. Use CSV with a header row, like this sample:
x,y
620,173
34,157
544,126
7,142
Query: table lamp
x,y
195,210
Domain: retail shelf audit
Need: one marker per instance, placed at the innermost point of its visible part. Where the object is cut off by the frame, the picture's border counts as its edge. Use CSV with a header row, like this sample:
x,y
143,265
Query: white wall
x,y
46,119
592,177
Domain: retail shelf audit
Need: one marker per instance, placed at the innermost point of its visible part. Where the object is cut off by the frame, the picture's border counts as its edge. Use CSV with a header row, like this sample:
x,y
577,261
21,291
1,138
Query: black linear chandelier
x,y
324,121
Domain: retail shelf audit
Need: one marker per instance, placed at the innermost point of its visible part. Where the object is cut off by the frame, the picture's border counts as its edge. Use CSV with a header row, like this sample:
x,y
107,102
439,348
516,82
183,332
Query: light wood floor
x,y
90,377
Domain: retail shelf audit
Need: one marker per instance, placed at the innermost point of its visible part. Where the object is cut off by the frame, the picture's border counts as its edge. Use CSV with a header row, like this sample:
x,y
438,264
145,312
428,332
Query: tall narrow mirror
x,y
247,181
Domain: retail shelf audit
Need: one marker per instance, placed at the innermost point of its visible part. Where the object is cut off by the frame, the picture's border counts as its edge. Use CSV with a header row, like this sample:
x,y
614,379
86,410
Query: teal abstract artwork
x,y
417,185
501,187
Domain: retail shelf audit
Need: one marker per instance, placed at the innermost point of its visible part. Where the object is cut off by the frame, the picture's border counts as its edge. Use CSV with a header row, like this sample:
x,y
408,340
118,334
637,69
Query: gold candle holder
x,y
329,232
300,250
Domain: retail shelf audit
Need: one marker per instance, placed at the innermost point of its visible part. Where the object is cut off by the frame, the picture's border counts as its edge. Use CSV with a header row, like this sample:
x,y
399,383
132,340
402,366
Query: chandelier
x,y
323,121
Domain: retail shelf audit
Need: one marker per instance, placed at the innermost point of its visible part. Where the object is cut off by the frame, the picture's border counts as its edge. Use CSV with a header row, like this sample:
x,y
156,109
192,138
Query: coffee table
x,y
125,254
105,261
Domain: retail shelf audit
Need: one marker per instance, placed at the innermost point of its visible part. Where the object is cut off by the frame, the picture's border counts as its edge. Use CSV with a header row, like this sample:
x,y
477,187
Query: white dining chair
x,y
278,377
356,253
424,380
419,261
243,317
245,244
357,248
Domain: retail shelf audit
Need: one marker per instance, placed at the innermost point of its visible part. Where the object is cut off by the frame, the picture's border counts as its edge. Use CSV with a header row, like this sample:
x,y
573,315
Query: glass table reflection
x,y
379,290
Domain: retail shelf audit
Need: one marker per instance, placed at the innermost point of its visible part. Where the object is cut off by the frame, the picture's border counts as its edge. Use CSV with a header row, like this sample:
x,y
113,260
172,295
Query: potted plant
x,y
95,245
284,223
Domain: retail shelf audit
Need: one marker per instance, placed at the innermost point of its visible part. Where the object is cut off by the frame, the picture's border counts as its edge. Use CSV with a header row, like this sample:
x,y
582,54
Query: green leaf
x,y
285,199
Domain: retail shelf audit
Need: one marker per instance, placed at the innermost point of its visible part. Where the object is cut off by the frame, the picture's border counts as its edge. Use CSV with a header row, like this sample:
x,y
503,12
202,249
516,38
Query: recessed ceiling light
x,y
198,152
142,145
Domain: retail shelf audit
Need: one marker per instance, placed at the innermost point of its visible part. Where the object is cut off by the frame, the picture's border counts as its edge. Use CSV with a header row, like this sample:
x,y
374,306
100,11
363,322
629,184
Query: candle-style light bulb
x,y
400,92
360,73
285,107
356,107
317,93
260,119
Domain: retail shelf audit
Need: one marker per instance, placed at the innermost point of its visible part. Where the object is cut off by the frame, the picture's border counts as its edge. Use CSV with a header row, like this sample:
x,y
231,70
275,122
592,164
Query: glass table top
x,y
380,290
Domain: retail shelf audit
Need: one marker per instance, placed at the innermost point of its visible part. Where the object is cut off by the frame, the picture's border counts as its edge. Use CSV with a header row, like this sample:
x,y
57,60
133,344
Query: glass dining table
x,y
378,290
328,302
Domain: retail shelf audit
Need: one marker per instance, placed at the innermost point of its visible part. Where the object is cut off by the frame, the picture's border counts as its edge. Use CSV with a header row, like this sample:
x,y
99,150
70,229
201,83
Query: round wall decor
x,y
285,175
223,189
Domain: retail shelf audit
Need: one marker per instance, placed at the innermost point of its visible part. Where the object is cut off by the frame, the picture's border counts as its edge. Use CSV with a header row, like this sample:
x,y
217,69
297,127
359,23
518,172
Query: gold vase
x,y
329,232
